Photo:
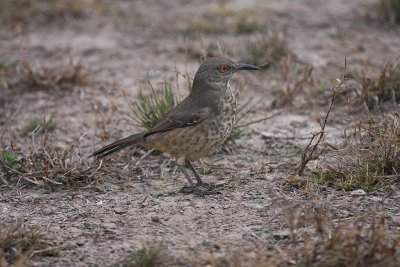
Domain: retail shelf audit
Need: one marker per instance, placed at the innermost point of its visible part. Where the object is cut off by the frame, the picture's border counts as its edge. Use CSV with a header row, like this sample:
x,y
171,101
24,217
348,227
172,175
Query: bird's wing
x,y
185,114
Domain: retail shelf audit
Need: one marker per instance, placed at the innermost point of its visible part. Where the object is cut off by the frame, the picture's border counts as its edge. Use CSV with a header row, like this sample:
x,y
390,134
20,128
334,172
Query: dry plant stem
x,y
313,154
260,120
47,250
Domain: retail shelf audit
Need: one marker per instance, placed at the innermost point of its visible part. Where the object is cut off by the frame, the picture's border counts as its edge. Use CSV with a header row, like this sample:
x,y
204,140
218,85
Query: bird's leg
x,y
183,170
200,188
187,189
198,179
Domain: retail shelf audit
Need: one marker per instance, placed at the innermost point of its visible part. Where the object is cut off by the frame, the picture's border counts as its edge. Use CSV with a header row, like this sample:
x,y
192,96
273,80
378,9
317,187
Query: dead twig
x,y
311,151
260,120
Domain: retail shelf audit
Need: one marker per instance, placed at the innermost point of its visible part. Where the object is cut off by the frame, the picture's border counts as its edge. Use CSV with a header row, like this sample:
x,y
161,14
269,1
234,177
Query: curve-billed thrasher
x,y
196,127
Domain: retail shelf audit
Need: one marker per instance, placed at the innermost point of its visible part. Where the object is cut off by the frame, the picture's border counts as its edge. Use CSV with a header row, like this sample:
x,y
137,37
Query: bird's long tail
x,y
118,145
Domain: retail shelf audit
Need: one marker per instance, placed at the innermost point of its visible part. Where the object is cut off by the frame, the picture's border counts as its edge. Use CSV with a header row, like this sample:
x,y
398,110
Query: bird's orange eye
x,y
223,68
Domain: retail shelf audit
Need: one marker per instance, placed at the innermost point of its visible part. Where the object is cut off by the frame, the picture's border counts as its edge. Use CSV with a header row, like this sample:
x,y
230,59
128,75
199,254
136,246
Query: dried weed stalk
x,y
312,150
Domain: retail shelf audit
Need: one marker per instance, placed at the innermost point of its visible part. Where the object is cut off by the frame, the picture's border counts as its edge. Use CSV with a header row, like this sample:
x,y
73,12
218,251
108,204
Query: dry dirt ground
x,y
134,199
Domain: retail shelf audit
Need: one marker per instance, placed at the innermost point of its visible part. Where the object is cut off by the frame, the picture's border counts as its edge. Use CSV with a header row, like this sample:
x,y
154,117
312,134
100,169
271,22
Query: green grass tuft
x,y
11,160
270,48
37,126
149,109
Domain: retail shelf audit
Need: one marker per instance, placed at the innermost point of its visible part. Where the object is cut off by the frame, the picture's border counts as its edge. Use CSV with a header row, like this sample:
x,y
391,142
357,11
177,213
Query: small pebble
x,y
119,211
358,192
155,219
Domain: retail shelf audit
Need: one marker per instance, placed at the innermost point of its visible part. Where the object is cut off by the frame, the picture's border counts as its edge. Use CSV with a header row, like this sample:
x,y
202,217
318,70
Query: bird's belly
x,y
196,141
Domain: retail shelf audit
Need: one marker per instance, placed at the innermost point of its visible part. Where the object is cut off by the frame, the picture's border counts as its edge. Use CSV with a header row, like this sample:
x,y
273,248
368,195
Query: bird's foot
x,y
200,189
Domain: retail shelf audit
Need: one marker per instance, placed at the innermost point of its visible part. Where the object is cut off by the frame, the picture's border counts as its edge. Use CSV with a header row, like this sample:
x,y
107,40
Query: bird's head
x,y
215,72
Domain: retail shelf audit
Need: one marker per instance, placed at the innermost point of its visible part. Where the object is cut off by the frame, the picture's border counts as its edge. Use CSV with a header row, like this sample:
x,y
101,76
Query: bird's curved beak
x,y
243,66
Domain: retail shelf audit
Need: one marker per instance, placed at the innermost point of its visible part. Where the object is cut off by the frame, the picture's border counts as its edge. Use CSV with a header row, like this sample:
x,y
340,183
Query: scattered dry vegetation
x,y
366,157
27,78
201,51
45,164
358,242
370,157
375,90
267,48
223,19
386,11
43,11
296,82
19,243
150,255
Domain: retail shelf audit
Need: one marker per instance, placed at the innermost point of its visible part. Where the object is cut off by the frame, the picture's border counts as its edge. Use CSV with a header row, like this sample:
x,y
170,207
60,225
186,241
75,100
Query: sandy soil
x,y
102,221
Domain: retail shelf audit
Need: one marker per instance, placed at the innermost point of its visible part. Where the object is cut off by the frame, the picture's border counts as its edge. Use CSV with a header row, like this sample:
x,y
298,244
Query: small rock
x,y
109,225
119,211
283,234
155,219
358,192
377,199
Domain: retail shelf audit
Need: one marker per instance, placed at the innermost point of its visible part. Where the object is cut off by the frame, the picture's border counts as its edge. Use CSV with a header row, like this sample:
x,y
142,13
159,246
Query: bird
x,y
197,126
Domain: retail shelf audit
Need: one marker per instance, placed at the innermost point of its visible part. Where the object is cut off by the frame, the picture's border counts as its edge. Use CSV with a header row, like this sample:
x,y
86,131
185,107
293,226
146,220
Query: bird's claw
x,y
202,189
